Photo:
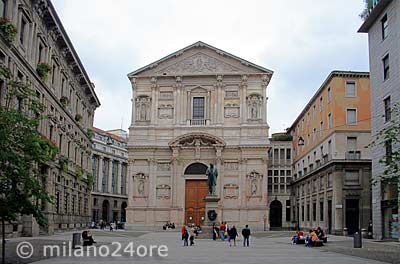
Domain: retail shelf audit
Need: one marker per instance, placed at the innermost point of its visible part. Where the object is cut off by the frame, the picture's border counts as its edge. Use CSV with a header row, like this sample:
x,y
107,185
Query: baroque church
x,y
196,107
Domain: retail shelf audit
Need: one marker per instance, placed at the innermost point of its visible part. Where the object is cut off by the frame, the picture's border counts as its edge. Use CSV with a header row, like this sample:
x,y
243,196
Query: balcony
x,y
353,155
198,122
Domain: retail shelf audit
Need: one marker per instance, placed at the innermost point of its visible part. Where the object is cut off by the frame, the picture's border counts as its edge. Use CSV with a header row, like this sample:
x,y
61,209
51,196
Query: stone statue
x,y
212,174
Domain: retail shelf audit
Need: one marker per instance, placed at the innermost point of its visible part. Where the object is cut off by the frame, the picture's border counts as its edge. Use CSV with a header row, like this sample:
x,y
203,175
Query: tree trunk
x,y
3,231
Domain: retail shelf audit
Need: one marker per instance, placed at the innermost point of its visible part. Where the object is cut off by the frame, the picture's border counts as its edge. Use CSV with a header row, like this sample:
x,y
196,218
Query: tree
x,y
389,138
369,4
24,153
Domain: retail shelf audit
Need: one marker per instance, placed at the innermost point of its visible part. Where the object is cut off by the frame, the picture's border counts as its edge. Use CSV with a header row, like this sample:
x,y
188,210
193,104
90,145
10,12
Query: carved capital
x,y
266,78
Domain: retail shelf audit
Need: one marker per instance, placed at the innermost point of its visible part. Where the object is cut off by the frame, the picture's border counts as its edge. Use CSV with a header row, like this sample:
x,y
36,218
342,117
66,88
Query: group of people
x,y
188,234
224,231
103,225
310,239
168,225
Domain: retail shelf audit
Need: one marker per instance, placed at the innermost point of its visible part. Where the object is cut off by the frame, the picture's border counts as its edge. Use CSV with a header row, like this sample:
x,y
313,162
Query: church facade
x,y
196,107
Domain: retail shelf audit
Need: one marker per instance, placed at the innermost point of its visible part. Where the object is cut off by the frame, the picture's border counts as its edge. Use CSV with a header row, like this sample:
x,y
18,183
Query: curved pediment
x,y
197,139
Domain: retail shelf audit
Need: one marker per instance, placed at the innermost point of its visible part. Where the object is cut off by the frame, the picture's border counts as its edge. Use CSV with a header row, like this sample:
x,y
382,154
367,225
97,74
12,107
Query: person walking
x,y
232,236
246,234
185,237
214,230
222,231
192,235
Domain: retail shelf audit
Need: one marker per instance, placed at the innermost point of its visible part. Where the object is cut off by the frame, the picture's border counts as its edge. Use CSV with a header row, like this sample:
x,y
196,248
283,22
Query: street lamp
x,y
301,141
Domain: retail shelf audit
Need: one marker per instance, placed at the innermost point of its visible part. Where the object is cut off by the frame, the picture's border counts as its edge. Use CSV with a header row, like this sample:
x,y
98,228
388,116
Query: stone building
x,y
70,99
331,166
109,169
382,26
197,106
279,180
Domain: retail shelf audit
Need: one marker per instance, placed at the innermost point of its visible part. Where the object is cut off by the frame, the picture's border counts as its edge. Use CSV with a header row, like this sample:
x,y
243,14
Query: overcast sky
x,y
301,41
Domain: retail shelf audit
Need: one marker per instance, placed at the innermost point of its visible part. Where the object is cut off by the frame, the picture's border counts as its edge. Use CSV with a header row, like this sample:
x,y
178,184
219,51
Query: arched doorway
x,y
105,210
195,192
123,212
275,215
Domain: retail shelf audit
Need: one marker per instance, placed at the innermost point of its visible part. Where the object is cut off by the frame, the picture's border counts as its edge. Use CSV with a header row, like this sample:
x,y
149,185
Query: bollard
x,y
76,240
357,240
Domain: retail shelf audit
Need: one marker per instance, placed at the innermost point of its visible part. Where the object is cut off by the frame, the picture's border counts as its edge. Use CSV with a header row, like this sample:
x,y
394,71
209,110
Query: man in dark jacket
x,y
232,234
246,234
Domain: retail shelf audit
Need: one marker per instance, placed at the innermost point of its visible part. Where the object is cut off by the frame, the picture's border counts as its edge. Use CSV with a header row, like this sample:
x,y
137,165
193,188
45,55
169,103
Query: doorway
x,y
275,215
105,207
195,206
352,216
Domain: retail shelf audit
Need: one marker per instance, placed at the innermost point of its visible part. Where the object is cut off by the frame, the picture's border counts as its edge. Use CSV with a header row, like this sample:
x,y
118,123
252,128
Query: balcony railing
x,y
353,155
198,122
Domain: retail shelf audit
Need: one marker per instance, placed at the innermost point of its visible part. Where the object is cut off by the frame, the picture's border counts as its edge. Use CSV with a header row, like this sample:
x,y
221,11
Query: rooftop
x,y
336,73
375,9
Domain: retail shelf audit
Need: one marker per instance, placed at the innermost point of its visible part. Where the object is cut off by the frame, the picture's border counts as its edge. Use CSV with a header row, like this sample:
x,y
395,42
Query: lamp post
x,y
301,141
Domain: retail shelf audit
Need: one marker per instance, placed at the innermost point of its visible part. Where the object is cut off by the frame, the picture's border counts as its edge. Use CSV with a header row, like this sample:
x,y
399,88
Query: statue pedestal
x,y
211,210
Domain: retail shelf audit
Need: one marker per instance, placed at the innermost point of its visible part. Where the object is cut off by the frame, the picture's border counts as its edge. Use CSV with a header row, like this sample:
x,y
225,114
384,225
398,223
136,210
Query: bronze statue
x,y
212,174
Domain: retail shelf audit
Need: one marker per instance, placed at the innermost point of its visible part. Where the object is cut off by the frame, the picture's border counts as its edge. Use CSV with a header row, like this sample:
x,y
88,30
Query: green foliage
x,y
90,180
78,117
43,70
64,101
390,135
63,162
90,133
79,173
285,137
24,154
369,5
8,30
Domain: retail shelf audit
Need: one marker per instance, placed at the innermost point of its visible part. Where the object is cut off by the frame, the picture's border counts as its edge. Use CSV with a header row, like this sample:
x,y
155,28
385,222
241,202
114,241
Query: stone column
x,y
154,109
243,187
119,178
338,206
109,176
100,174
129,182
152,182
177,99
220,168
174,167
188,106
243,104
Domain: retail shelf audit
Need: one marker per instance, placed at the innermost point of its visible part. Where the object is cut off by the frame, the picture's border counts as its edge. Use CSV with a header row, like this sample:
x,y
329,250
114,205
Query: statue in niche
x,y
254,103
143,108
254,112
143,112
253,187
212,175
141,188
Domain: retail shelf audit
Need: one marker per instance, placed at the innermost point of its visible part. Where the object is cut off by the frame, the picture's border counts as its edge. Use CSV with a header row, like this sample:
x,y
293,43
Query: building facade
x,y
109,170
198,106
331,166
70,100
382,26
279,180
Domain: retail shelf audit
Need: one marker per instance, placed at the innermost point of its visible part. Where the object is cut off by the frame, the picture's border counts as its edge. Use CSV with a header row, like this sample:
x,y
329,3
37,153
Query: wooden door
x,y
195,207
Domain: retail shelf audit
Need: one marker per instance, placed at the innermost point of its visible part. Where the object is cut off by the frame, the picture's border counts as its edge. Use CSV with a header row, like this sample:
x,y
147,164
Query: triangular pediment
x,y
199,63
200,59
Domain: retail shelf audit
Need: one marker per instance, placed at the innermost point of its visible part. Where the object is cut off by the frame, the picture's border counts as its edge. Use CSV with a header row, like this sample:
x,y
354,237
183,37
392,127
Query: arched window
x,y
196,168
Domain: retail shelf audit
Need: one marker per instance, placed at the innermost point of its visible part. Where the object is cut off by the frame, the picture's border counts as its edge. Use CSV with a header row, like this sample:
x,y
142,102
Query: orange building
x,y
331,166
